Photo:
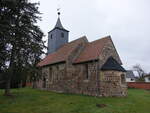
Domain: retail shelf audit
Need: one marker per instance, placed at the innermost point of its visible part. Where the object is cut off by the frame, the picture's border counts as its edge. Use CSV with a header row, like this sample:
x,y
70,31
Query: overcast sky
x,y
127,21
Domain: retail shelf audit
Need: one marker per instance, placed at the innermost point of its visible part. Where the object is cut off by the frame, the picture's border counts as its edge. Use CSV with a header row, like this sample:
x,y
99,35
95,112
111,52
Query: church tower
x,y
57,37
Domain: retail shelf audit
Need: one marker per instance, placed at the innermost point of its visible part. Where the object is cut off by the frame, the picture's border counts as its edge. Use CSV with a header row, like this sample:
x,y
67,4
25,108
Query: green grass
x,y
29,100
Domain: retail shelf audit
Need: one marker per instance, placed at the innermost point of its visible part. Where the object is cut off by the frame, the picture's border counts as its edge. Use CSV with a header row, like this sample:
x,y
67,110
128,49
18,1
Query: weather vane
x,y
58,9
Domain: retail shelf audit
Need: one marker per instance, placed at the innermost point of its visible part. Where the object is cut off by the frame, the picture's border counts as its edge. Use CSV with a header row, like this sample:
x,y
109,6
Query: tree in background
x,y
140,71
21,43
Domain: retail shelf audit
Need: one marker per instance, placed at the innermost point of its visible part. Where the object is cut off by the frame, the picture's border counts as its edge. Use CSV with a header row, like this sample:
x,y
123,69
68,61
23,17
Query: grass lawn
x,y
29,100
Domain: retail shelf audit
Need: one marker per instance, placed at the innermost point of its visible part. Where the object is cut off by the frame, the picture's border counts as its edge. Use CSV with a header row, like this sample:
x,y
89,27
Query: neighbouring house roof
x,y
112,64
61,54
130,74
92,50
147,76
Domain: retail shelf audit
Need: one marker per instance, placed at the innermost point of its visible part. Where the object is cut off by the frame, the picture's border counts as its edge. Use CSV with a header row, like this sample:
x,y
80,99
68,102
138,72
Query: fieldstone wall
x,y
52,77
58,78
112,83
86,78
70,80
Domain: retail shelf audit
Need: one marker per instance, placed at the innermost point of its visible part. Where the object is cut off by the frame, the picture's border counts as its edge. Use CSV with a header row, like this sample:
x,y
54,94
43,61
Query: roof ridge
x,y
75,40
78,39
101,39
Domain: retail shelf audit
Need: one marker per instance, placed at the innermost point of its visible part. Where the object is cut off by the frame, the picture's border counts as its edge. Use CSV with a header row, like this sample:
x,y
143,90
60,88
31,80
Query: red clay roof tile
x,y
92,50
61,54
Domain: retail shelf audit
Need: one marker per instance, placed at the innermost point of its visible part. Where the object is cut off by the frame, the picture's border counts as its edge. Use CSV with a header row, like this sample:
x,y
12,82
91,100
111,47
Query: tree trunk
x,y
7,87
9,74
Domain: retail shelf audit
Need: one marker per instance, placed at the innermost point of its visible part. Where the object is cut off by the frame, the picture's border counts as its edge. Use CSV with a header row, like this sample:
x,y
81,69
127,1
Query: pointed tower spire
x,y
58,24
58,36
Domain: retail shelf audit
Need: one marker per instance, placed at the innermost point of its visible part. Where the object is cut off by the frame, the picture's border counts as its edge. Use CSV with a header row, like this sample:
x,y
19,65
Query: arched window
x,y
44,82
51,36
123,80
57,76
87,72
50,74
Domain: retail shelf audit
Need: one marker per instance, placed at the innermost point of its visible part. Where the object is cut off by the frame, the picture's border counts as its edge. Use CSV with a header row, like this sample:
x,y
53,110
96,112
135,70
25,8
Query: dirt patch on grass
x,y
10,96
101,105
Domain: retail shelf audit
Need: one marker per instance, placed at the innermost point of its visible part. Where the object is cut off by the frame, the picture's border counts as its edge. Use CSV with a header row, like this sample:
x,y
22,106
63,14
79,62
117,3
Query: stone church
x,y
81,67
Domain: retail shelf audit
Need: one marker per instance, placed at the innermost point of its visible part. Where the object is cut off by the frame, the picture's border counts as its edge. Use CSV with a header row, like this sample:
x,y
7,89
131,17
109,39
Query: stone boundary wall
x,y
139,85
29,84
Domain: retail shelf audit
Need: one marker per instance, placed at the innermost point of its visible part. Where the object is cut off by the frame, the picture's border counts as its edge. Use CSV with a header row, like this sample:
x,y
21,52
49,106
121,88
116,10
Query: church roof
x,y
61,54
92,50
147,75
112,64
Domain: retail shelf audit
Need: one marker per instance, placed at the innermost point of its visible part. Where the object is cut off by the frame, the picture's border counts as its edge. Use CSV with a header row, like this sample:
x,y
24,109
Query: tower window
x,y
62,35
51,36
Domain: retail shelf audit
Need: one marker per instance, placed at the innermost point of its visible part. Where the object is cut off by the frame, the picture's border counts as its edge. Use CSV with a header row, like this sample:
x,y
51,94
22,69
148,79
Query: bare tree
x,y
139,70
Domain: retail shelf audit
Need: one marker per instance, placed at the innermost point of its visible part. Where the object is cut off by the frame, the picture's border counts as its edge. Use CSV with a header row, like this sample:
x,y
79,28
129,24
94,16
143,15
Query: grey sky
x,y
127,21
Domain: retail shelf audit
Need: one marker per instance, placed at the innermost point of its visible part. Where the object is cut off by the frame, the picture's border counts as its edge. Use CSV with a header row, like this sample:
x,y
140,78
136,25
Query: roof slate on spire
x,y
58,24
